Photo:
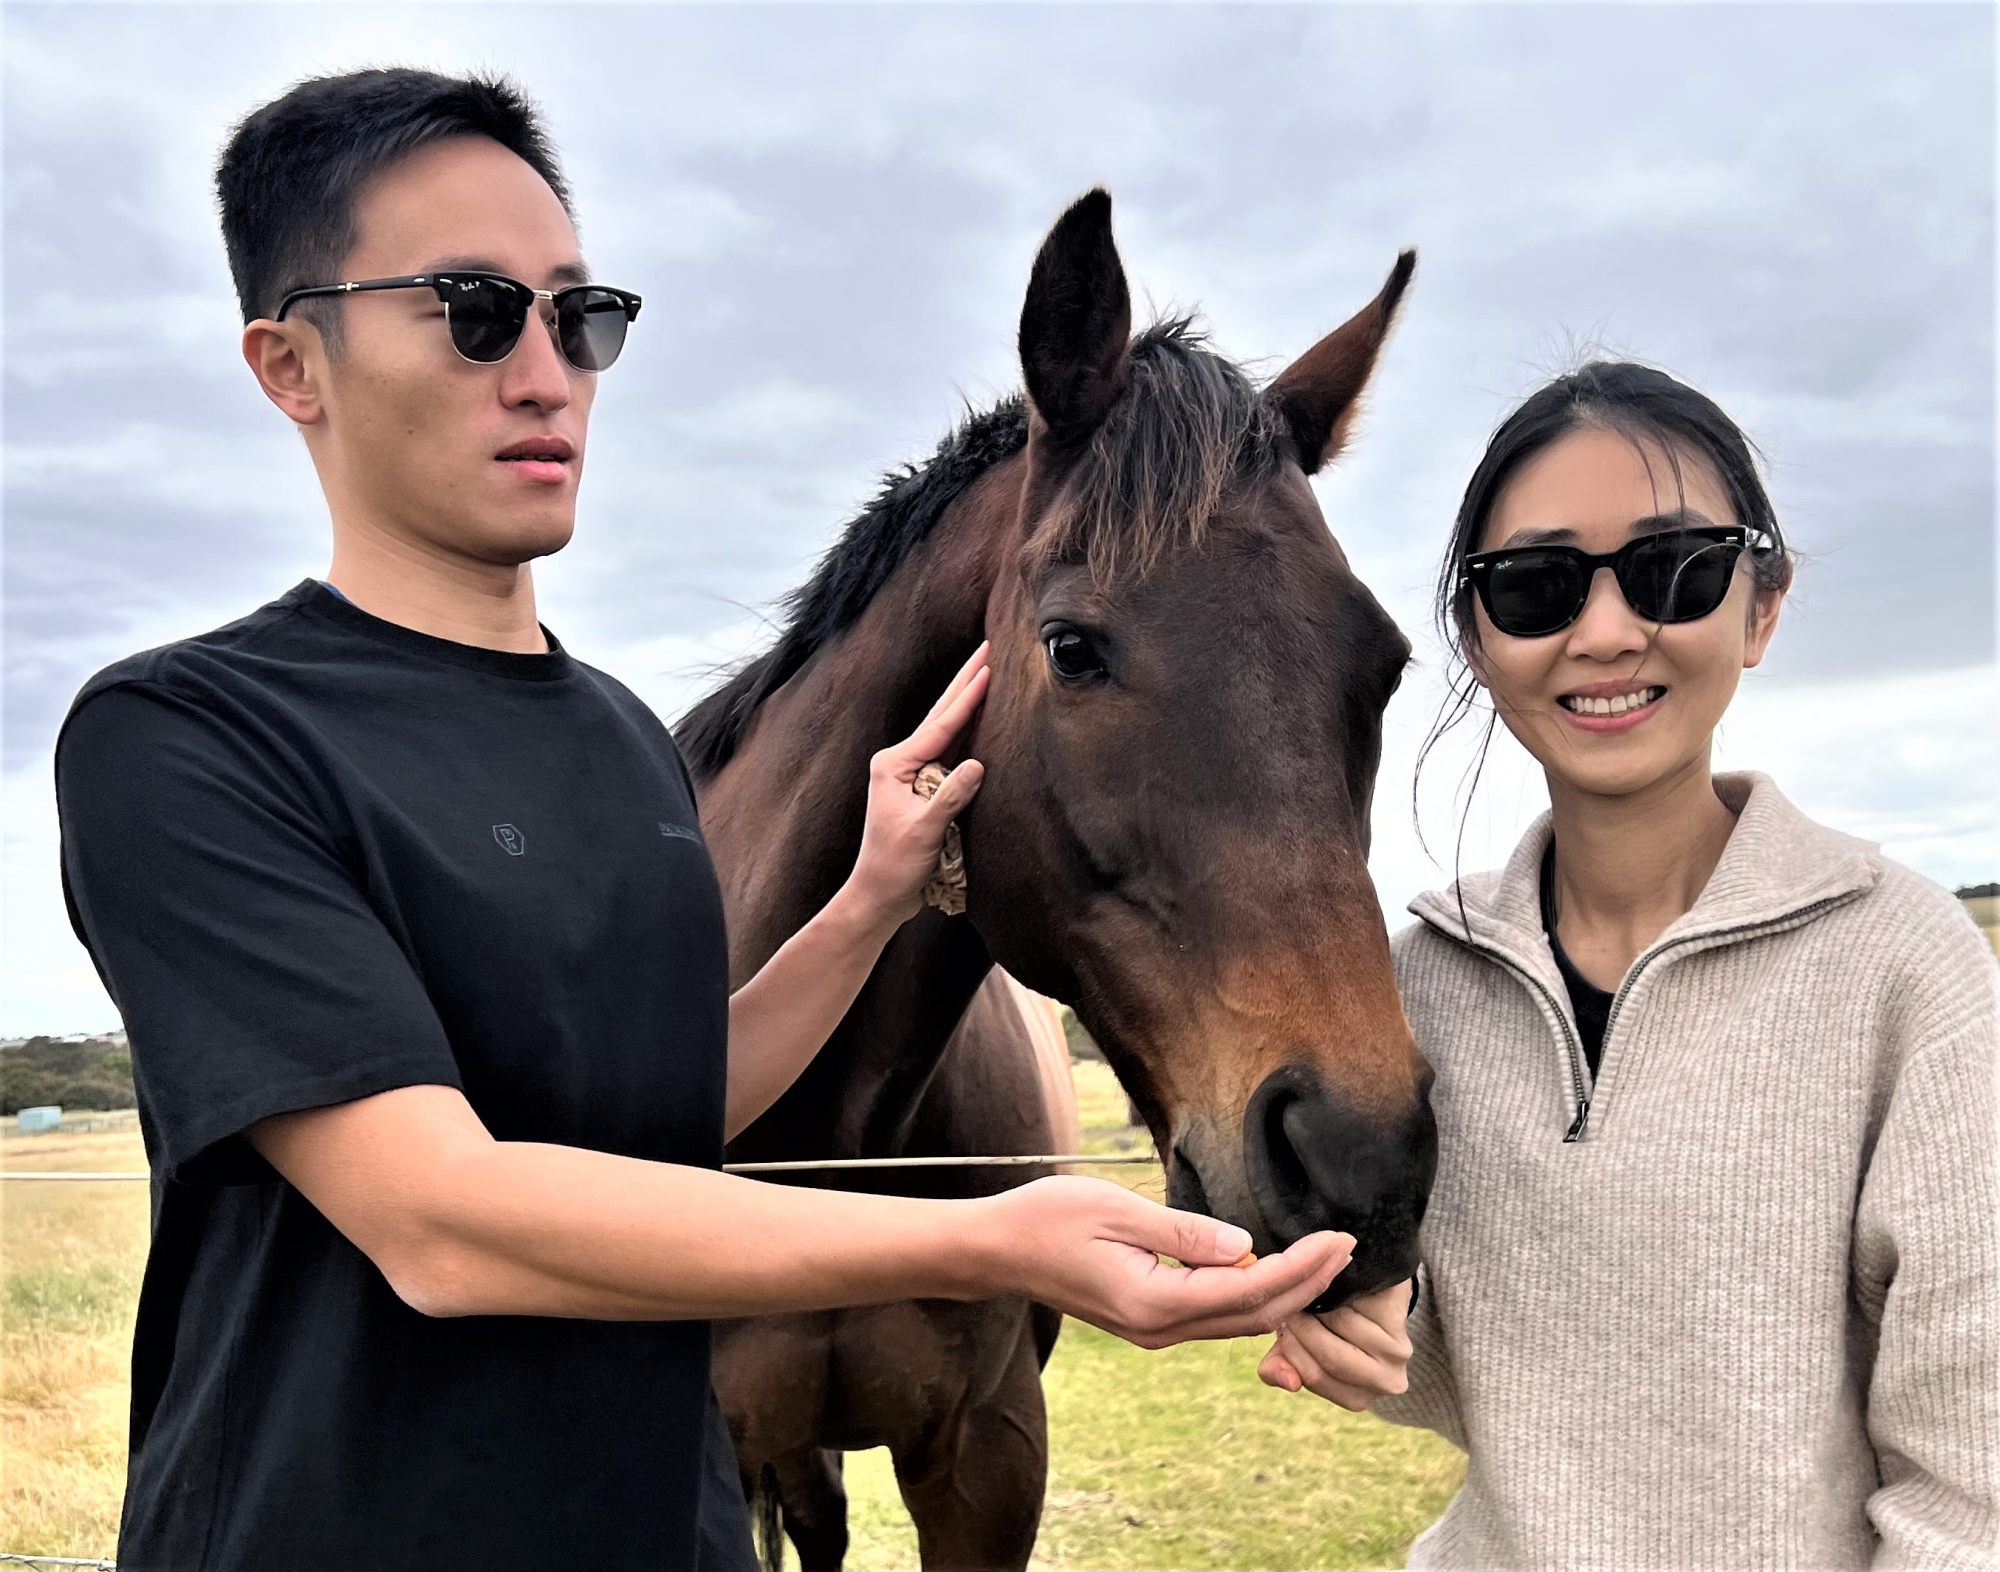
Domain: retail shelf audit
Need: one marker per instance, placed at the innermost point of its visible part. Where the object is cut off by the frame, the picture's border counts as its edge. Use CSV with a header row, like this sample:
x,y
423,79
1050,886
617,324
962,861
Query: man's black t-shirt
x,y
316,855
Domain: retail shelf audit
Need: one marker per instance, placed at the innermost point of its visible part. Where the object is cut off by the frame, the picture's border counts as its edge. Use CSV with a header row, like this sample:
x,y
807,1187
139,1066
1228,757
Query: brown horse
x,y
1181,740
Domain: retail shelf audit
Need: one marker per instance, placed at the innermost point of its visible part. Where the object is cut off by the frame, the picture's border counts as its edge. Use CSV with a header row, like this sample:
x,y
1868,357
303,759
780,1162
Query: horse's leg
x,y
813,1498
974,1484
770,1377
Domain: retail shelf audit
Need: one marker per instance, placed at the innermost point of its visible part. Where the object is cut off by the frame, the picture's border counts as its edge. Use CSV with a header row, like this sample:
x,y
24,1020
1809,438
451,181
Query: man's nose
x,y
536,373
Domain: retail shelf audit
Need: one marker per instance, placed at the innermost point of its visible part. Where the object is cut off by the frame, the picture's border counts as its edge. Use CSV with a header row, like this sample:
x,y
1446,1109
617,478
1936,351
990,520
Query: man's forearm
x,y
461,1224
521,1228
781,1017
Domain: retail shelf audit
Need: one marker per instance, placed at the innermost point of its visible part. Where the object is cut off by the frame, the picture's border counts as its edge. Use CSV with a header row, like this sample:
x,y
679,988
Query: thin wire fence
x,y
1076,1159
1080,1159
1071,1159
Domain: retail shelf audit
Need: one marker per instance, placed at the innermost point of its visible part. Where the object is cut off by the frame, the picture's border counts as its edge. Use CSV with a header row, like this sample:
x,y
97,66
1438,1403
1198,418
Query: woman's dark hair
x,y
291,171
1638,402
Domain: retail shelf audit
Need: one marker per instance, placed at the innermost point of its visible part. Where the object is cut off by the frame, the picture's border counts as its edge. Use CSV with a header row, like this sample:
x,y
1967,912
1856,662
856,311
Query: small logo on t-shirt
x,y
679,832
510,839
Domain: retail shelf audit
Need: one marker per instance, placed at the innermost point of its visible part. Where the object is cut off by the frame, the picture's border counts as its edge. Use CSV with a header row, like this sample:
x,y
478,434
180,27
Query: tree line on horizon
x,y
95,1074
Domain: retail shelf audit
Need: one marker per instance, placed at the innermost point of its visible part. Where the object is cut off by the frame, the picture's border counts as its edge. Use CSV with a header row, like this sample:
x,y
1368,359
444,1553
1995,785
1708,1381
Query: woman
x,y
1709,1273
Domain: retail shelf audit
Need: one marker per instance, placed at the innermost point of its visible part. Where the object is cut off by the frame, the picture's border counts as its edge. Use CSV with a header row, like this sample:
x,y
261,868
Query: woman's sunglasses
x,y
485,313
1676,576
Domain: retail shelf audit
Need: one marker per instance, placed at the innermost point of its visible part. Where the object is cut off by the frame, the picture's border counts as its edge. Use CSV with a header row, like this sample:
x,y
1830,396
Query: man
x,y
422,958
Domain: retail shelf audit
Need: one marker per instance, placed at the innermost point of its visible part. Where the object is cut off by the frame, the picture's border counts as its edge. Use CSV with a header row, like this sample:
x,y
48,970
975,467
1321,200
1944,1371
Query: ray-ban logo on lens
x,y
510,839
679,832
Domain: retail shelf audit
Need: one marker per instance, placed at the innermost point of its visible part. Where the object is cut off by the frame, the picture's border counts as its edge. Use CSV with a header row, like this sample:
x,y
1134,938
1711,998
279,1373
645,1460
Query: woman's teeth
x,y
1617,706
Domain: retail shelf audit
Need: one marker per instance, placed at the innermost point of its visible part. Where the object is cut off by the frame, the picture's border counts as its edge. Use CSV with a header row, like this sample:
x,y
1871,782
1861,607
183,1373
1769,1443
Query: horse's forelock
x,y
1153,476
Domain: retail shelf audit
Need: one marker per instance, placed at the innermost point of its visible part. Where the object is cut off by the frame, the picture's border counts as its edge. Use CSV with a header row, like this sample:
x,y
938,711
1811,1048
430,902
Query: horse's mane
x,y
1151,479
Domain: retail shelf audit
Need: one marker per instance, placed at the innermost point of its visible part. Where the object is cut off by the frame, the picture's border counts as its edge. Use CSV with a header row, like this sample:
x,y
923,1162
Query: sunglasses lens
x,y
591,324
1676,579
1532,592
486,317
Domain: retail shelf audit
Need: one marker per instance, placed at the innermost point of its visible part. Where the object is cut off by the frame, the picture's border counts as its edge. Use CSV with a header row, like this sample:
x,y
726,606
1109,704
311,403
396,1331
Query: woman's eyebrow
x,y
1680,518
1651,524
1539,537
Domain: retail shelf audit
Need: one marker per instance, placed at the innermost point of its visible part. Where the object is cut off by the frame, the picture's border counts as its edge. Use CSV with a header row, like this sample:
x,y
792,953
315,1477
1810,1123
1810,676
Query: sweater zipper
x,y
1583,1091
1570,1043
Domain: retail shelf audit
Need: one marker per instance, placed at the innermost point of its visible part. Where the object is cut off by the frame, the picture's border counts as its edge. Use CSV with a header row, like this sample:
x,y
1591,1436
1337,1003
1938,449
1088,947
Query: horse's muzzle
x,y
1312,1161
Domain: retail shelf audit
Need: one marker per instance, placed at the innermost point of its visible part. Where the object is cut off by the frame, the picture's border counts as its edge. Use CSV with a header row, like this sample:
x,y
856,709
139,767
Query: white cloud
x,y
831,212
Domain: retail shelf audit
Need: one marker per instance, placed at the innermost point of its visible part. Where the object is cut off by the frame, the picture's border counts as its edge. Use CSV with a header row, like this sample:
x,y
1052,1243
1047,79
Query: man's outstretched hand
x,y
1092,1250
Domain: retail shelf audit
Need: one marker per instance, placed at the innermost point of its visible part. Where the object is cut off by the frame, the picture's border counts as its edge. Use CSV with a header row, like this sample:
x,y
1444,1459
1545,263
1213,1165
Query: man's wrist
x,y
977,1251
859,920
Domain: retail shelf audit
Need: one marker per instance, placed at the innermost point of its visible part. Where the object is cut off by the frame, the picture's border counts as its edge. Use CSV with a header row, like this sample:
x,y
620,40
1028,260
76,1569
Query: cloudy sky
x,y
831,212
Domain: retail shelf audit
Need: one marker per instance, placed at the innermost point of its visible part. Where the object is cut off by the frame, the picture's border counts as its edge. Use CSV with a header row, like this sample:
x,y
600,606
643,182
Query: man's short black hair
x,y
291,171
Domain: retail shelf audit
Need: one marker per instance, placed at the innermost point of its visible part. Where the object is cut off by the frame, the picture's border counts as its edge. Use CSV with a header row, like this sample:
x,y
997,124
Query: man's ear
x,y
288,359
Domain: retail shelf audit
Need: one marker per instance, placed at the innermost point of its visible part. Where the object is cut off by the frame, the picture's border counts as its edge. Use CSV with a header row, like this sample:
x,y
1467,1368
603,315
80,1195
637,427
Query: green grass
x,y
1180,1458
95,1297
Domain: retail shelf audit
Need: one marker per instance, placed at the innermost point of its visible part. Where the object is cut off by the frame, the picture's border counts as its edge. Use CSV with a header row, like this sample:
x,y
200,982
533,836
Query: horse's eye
x,y
1073,655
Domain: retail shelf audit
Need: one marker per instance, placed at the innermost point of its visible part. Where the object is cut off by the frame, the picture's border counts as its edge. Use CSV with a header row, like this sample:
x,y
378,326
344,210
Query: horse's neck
x,y
784,819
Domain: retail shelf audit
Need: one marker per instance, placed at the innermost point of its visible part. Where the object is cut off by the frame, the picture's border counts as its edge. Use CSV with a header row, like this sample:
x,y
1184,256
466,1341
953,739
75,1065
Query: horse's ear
x,y
1076,325
1318,393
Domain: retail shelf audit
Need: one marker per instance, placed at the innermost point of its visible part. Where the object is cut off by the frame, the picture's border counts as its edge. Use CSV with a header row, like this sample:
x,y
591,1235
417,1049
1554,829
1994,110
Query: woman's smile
x,y
1611,706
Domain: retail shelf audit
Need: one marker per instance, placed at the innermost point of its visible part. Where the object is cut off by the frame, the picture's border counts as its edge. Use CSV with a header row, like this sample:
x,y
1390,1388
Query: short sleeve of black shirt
x,y
316,855
252,975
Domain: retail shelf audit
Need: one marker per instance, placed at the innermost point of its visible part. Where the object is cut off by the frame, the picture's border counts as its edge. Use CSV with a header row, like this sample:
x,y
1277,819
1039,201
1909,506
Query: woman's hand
x,y
1351,1356
904,831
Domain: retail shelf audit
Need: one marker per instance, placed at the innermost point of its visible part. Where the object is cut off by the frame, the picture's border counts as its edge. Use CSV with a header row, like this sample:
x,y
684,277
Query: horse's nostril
x,y
1285,1171
1185,1191
1315,1161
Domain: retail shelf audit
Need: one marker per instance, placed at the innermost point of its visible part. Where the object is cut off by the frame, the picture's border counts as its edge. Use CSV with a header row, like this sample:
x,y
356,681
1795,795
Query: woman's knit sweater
x,y
1750,1315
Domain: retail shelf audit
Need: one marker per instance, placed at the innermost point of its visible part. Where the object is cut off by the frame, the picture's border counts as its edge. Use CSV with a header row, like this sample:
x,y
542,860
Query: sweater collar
x,y
1777,865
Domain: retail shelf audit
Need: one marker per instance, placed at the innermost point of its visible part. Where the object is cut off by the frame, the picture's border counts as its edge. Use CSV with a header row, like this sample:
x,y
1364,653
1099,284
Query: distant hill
x,y
93,1073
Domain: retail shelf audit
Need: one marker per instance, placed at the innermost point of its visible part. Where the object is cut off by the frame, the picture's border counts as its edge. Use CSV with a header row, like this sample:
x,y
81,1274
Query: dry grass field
x,y
1173,1459
70,1258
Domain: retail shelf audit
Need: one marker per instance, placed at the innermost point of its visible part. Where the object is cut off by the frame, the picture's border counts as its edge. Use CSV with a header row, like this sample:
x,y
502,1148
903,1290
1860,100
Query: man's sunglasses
x,y
1678,575
485,313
